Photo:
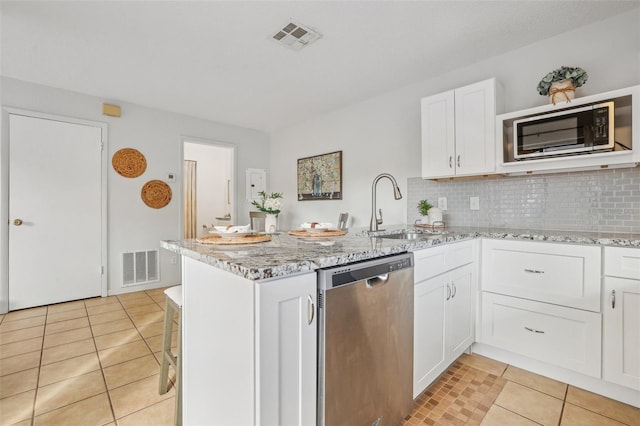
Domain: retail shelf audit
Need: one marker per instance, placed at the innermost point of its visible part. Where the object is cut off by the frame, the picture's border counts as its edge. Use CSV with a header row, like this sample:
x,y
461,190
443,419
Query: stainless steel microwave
x,y
567,132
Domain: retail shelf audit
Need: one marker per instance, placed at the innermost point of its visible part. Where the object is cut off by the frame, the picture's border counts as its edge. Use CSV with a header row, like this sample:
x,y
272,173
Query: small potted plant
x,y
423,208
560,84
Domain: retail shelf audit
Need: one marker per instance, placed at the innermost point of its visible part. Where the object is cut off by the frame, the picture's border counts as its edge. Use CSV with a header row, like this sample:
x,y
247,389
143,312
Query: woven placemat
x,y
156,194
249,239
129,162
327,233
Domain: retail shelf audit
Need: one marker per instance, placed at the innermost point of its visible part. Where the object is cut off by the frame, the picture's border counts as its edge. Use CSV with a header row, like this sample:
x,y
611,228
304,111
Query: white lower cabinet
x,y
561,336
561,274
567,311
460,311
621,340
428,333
621,311
542,300
249,348
444,311
287,345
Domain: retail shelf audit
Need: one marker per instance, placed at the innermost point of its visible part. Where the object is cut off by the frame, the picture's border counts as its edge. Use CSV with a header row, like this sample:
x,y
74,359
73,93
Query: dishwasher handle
x,y
376,281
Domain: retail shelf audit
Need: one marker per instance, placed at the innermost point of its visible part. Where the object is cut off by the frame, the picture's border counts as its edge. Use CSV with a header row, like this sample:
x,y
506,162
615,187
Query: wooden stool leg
x,y
178,410
163,385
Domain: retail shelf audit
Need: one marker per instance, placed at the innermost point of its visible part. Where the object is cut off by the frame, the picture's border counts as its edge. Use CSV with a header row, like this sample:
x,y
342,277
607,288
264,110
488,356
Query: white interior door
x,y
55,211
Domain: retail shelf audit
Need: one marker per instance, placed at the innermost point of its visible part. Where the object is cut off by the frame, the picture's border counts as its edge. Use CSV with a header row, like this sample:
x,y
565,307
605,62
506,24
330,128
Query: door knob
x,y
17,222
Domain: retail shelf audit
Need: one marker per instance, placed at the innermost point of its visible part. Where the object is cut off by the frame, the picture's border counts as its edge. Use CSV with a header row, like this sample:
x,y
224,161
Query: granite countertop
x,y
286,255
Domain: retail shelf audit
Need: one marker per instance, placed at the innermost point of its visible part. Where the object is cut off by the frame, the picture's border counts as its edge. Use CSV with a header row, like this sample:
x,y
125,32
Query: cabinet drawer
x,y
440,259
562,274
565,337
623,262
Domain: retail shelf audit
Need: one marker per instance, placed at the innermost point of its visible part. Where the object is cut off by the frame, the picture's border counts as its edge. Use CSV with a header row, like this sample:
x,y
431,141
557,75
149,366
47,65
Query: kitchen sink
x,y
413,235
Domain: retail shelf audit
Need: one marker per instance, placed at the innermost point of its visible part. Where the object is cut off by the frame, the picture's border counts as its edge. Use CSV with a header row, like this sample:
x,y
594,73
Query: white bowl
x,y
232,234
316,226
231,229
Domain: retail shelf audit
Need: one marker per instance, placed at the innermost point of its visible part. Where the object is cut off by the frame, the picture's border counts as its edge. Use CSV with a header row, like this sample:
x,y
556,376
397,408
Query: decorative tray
x,y
326,233
249,239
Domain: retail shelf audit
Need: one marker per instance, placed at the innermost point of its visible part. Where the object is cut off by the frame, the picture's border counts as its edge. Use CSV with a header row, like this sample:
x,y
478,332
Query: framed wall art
x,y
320,177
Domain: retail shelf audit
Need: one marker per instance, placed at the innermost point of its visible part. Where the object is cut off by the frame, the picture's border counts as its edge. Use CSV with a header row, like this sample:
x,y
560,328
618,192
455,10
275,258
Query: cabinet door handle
x,y
450,162
311,308
448,291
458,161
534,271
533,330
613,299
455,290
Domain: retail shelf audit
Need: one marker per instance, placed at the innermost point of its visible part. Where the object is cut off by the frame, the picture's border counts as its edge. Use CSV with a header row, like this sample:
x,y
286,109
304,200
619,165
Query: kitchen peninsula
x,y
286,255
249,316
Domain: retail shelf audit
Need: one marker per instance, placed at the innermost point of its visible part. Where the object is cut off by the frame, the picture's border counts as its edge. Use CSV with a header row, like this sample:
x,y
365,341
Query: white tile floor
x,y
88,362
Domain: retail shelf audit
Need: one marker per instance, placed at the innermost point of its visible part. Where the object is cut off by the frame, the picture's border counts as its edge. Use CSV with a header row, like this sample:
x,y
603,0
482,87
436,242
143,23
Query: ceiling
x,y
216,59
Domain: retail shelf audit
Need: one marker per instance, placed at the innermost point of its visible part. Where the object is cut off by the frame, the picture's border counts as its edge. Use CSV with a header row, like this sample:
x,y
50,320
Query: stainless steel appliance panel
x,y
366,343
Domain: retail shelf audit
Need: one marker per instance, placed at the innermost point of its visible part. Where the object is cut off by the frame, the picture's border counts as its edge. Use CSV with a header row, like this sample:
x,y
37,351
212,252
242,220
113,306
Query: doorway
x,y
208,186
56,208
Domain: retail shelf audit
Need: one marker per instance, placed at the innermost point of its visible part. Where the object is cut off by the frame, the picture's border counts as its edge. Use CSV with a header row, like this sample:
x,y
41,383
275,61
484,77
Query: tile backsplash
x,y
598,201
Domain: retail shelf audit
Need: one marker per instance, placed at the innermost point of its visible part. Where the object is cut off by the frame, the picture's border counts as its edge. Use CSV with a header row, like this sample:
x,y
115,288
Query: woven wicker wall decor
x,y
129,162
156,194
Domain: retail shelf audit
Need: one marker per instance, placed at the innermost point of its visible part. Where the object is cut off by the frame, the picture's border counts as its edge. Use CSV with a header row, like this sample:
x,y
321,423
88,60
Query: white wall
x,y
382,134
158,135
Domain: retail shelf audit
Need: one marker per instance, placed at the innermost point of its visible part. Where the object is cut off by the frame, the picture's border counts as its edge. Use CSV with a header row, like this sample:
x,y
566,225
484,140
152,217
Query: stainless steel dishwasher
x,y
365,348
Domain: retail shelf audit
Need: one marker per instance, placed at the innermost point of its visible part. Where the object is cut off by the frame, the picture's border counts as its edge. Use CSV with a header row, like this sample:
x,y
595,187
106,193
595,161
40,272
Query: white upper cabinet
x,y
438,135
458,131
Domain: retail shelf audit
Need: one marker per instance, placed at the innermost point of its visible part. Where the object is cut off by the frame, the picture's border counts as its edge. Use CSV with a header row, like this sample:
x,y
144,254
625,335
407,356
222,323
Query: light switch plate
x,y
442,203
474,203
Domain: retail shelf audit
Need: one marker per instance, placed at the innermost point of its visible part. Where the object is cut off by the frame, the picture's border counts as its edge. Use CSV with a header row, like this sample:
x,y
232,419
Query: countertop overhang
x,y
287,255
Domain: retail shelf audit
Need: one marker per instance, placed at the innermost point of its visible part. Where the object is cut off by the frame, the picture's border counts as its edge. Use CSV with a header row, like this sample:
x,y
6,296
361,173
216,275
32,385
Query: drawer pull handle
x,y
534,271
450,162
458,161
533,330
613,299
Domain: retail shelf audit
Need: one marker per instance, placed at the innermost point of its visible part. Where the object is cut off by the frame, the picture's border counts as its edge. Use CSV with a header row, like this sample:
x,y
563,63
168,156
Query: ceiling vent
x,y
296,36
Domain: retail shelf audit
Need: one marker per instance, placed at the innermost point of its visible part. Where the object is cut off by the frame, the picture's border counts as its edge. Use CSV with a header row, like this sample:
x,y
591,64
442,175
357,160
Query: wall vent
x,y
296,36
139,267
